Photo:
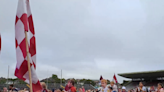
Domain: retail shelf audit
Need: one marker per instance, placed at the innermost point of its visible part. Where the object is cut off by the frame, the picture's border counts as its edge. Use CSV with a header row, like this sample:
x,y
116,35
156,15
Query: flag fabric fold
x,y
24,22
115,79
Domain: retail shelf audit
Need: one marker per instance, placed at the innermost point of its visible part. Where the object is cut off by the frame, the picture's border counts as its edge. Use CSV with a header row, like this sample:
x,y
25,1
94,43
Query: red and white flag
x,y
24,22
115,79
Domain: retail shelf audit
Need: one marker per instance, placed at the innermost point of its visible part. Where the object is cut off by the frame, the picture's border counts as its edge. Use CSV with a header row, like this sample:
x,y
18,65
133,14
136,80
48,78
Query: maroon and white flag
x,y
115,79
24,22
101,77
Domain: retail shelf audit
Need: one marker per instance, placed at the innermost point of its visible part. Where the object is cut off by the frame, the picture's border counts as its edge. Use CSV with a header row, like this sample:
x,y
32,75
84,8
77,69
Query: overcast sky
x,y
89,38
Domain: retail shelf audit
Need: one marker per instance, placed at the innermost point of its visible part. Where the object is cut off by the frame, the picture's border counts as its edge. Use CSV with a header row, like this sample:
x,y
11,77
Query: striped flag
x,y
115,79
24,22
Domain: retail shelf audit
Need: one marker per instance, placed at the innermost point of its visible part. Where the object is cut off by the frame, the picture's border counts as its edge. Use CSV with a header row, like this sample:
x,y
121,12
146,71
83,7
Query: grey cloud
x,y
89,38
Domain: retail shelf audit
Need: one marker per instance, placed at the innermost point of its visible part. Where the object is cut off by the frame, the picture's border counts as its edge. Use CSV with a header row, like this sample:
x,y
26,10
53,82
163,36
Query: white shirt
x,y
104,89
114,88
143,88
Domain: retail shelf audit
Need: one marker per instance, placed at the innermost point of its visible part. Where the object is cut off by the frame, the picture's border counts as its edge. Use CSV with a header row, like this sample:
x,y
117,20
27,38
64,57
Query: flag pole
x,y
28,61
116,83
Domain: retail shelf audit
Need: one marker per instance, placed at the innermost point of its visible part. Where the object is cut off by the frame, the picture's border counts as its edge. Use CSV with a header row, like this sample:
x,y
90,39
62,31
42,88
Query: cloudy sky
x,y
89,38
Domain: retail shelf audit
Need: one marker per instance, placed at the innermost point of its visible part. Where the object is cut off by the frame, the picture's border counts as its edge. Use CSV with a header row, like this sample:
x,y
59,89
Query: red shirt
x,y
73,89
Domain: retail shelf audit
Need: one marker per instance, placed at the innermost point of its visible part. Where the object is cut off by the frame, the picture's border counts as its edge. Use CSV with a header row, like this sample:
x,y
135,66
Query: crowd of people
x,y
141,88
112,87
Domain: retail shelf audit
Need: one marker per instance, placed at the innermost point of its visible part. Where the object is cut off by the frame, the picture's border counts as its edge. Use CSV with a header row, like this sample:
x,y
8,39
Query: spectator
x,y
80,90
44,87
67,86
123,89
71,85
5,89
114,87
160,88
141,88
12,88
58,90
104,86
110,89
83,88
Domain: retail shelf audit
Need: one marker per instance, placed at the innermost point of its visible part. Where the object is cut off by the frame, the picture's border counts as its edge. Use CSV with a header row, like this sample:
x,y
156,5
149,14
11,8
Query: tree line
x,y
53,79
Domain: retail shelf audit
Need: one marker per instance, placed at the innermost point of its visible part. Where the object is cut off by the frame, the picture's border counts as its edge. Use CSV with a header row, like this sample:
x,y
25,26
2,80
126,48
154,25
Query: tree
x,y
82,80
108,82
90,82
13,80
63,80
54,76
3,81
21,82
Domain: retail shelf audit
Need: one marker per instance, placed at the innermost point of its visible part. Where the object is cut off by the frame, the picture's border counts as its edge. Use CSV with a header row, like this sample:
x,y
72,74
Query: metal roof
x,y
146,74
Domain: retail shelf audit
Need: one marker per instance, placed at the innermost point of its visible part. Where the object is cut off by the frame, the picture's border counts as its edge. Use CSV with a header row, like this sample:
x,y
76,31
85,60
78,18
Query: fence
x,y
49,85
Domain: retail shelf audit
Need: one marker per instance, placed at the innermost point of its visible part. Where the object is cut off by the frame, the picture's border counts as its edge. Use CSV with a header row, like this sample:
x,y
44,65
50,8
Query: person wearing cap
x,y
123,89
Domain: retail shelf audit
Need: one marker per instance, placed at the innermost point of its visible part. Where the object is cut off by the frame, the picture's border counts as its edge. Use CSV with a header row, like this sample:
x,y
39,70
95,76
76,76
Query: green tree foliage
x,y
83,80
13,80
54,76
90,82
108,82
21,82
3,81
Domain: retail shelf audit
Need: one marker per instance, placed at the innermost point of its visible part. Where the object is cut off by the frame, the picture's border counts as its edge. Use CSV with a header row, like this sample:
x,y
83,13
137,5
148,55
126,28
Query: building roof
x,y
146,74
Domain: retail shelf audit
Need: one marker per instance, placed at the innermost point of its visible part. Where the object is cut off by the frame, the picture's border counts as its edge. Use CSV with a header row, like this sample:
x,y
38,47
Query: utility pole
x,y
61,77
8,74
47,79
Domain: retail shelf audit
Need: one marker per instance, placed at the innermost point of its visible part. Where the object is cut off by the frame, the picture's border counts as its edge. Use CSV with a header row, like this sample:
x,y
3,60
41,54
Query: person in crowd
x,y
110,89
83,89
5,89
119,90
44,87
53,90
97,90
12,88
71,86
123,89
25,90
67,86
80,90
141,88
114,87
152,89
160,87
57,90
104,86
